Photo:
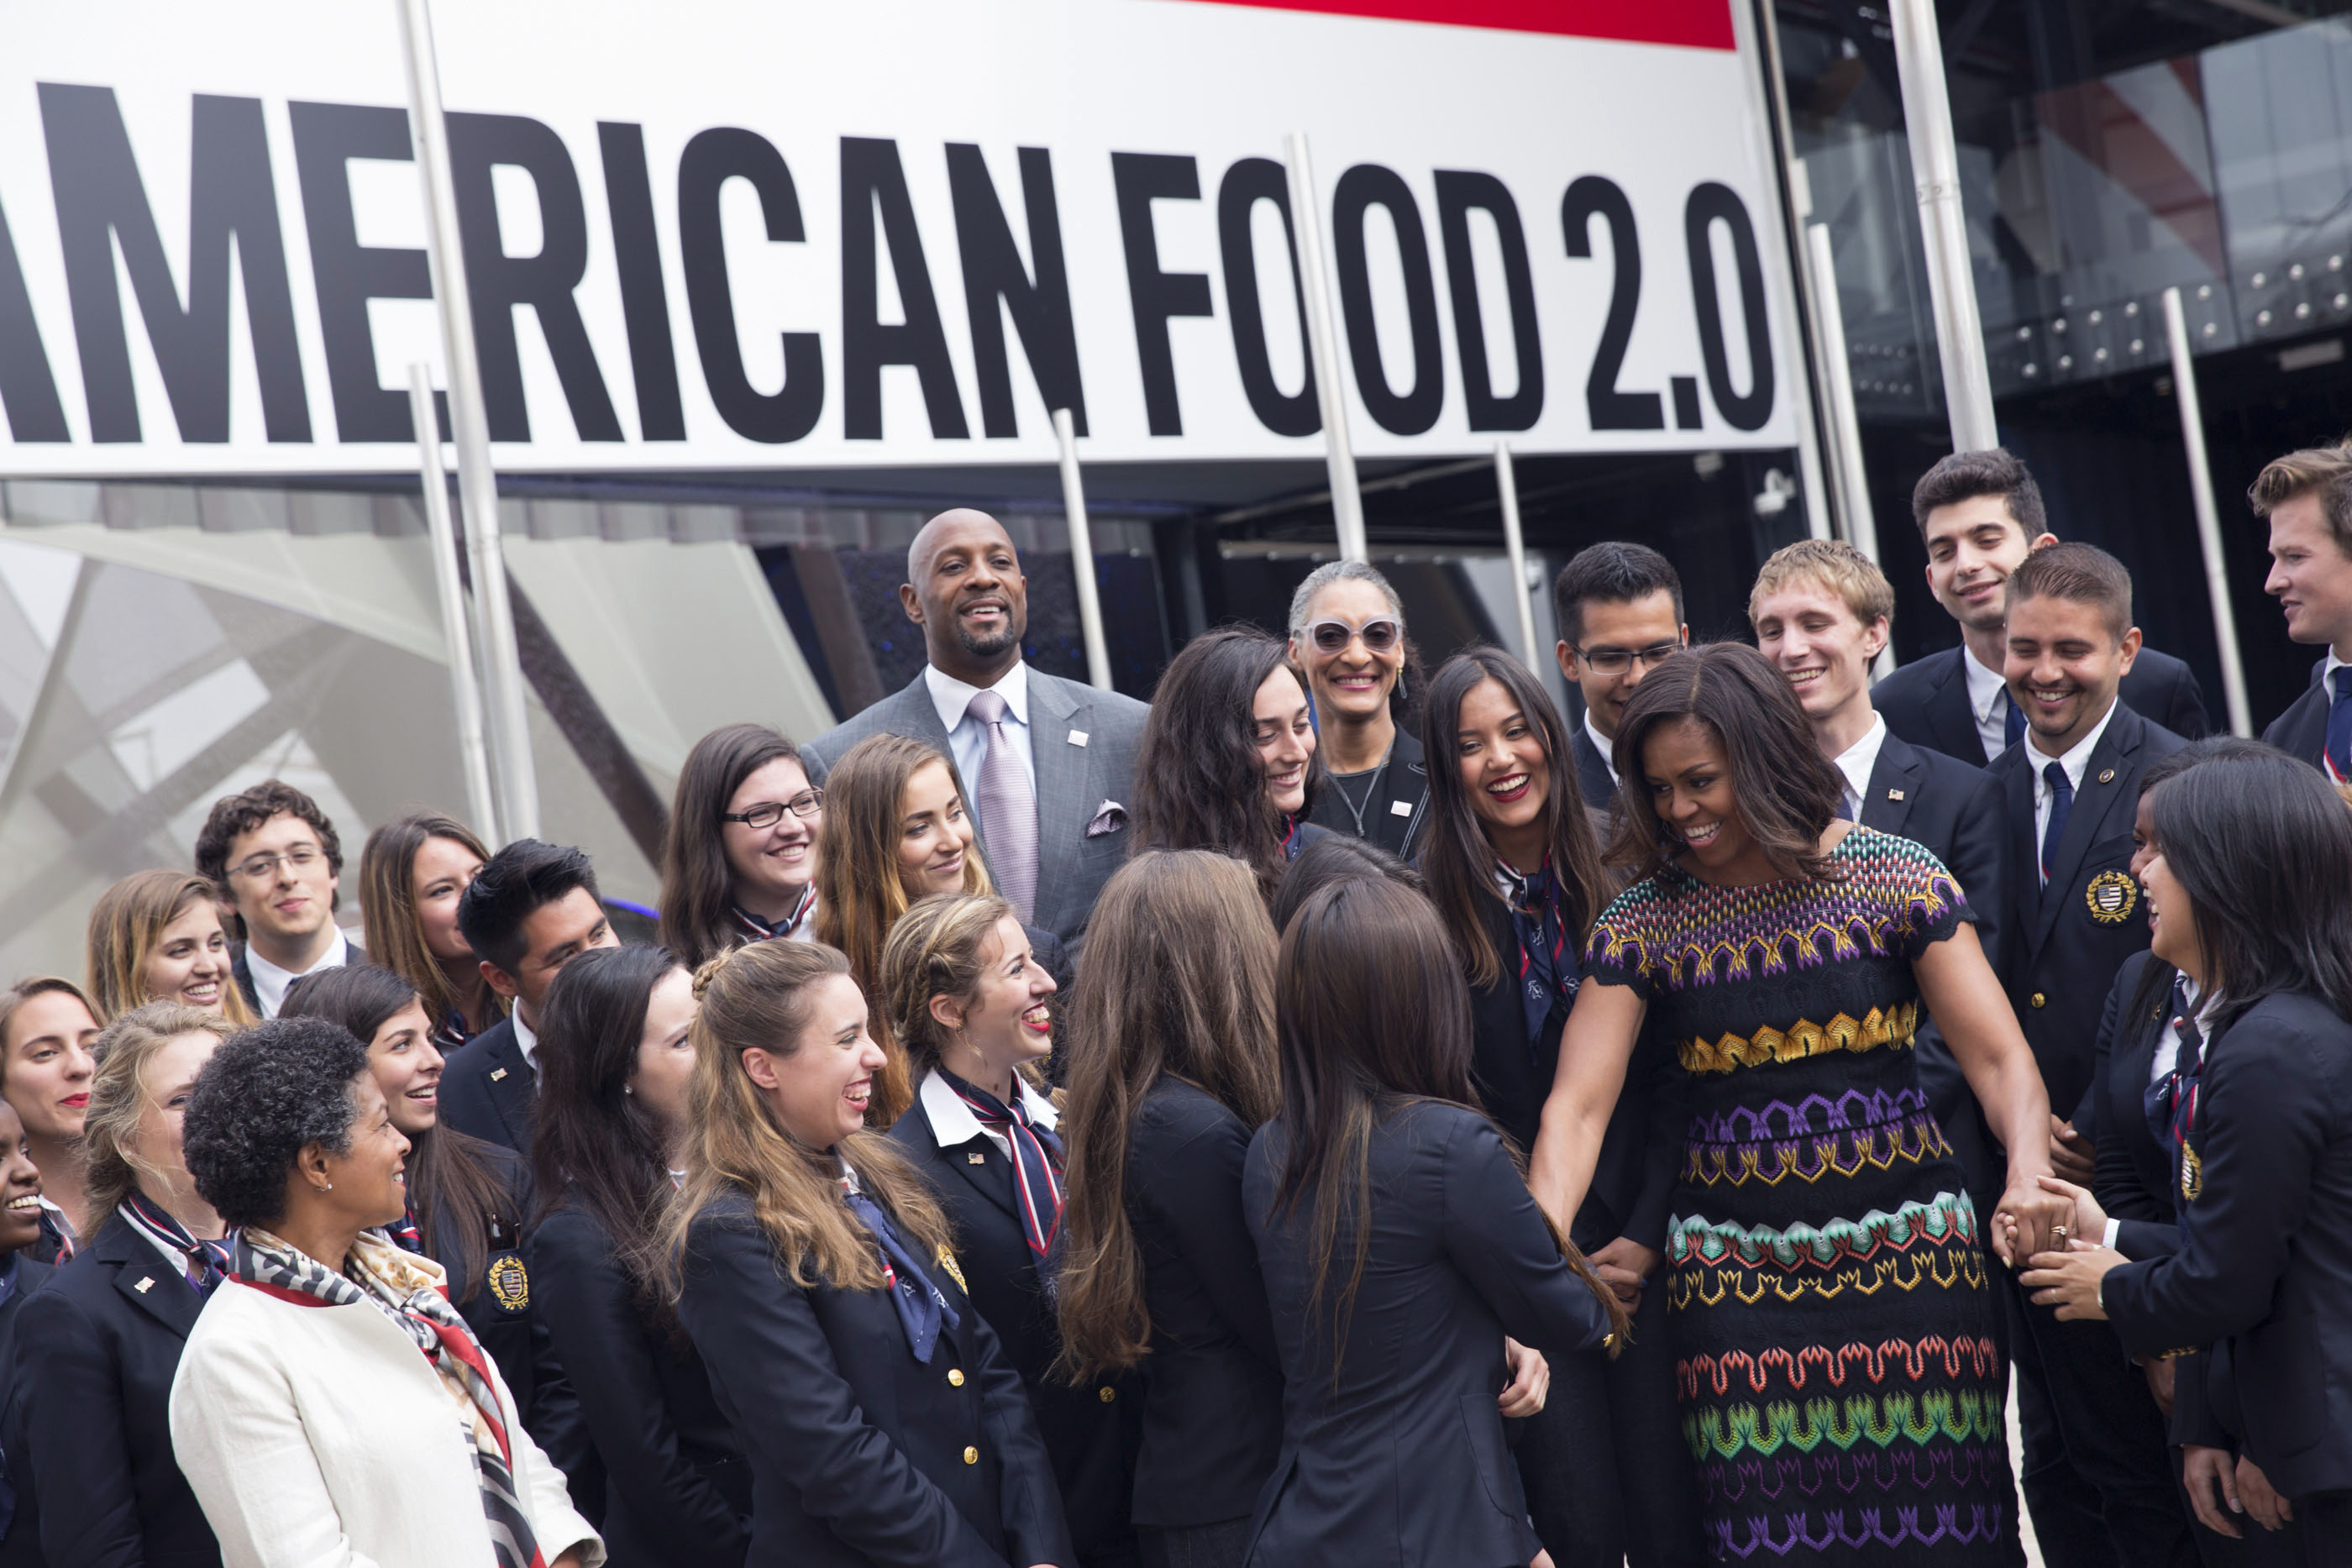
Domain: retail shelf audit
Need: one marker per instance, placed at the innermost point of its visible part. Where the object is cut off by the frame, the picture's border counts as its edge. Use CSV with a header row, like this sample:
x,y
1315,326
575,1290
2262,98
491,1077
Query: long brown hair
x,y
119,1095
388,914
127,923
860,894
1458,859
756,997
1373,1015
1178,981
1785,791
695,882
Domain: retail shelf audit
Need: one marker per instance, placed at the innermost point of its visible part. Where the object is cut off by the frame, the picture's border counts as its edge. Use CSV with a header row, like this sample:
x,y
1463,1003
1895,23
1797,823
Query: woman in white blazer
x,y
331,1407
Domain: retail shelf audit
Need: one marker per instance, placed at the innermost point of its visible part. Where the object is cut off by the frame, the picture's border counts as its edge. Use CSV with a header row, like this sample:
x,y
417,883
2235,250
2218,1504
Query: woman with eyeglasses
x,y
1347,632
738,864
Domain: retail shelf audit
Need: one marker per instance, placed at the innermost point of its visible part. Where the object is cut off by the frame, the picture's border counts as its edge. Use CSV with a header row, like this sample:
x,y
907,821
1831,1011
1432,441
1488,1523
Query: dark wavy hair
x,y
1458,859
1339,857
1199,784
1785,791
2263,846
695,877
267,1093
247,810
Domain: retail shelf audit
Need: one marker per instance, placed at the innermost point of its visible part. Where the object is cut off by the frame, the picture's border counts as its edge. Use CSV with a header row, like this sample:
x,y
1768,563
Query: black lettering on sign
x,y
1245,185
1709,204
709,161
545,282
645,302
102,200
1595,195
993,272
1458,191
28,388
347,274
1156,296
1361,189
872,177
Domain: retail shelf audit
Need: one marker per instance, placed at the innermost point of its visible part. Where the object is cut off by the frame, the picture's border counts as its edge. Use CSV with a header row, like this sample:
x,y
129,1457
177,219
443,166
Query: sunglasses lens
x,y
1330,636
1379,636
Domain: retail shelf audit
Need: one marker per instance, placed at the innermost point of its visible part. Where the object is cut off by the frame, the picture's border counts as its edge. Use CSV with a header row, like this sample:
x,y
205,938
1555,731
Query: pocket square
x,y
1109,818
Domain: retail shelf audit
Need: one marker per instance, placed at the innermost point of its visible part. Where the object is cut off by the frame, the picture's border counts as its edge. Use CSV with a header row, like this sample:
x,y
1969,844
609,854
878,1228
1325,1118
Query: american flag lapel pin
x,y
1077,737
502,1072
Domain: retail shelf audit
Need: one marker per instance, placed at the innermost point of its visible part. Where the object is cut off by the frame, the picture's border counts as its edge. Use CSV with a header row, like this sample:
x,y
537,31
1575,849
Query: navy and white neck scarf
x,y
759,930
206,1263
1549,975
1036,1165
922,1306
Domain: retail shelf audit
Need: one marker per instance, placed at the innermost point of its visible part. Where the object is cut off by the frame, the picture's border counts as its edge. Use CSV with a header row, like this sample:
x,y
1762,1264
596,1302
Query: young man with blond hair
x,y
2307,498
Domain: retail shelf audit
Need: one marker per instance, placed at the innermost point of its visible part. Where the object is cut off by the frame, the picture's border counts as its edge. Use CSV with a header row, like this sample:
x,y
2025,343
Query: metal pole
x,y
2209,518
1852,479
1507,486
1306,218
1082,554
507,718
465,680
1951,276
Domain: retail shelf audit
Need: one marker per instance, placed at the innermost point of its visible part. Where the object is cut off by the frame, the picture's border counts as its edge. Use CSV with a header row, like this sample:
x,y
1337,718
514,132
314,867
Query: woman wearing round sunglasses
x,y
1347,632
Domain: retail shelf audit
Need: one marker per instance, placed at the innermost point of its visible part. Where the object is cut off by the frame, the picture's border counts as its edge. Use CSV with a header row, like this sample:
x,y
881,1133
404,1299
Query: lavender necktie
x,y
1008,809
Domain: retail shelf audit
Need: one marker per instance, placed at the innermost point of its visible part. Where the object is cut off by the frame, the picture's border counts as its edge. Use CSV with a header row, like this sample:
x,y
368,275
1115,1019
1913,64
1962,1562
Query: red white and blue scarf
x,y
1036,1165
1548,970
205,1263
411,1292
759,930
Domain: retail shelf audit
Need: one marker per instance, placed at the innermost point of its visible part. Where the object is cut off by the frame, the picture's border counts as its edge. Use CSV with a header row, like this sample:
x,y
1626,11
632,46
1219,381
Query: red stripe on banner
x,y
1690,24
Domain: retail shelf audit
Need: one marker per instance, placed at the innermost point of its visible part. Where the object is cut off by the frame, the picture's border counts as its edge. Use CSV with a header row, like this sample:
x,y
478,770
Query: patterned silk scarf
x,y
1548,967
922,1306
411,1291
759,930
206,1263
1036,1165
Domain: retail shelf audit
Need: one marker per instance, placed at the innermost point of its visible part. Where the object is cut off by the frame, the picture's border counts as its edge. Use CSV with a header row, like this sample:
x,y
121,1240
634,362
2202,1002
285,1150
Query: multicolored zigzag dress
x,y
1832,1317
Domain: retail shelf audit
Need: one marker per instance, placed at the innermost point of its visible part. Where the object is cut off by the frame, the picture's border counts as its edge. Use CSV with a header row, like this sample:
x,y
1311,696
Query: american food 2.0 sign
x,y
726,237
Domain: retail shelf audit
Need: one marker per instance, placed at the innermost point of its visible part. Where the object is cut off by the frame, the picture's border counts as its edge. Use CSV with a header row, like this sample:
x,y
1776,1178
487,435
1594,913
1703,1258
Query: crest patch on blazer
x,y
510,1283
2111,896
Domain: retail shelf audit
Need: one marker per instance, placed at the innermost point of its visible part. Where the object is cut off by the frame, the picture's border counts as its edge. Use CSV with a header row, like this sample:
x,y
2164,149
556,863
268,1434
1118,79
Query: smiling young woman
x,y
739,859
412,873
46,1031
156,936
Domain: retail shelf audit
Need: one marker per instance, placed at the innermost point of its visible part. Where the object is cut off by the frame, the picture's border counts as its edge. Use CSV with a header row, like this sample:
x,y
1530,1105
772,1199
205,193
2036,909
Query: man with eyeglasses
x,y
273,854
1620,612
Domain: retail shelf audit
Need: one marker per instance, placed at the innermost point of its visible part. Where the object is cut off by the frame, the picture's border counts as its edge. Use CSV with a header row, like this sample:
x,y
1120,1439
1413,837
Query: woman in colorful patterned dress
x,y
1831,1320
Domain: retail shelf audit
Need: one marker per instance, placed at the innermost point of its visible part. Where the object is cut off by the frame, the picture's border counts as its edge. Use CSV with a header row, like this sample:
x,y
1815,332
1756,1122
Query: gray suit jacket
x,y
1074,778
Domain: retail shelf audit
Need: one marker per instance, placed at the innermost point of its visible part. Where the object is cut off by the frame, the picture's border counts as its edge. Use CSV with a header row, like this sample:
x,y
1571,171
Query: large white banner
x,y
748,235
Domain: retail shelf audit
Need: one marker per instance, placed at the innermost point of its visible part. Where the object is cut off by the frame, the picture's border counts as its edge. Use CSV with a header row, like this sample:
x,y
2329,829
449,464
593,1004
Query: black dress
x,y
1393,800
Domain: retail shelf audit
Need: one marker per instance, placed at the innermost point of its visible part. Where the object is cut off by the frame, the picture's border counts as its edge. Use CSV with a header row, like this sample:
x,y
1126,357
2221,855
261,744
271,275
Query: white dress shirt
x,y
1603,744
1988,700
967,736
1856,761
2076,762
270,981
953,1122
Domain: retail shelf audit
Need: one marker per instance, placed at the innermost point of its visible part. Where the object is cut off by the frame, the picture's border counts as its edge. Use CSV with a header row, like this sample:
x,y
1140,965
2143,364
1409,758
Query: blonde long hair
x,y
757,996
126,925
860,894
120,1094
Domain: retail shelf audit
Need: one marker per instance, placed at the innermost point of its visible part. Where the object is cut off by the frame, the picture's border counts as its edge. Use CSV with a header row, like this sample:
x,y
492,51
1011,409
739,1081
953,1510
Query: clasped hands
x,y
2067,1274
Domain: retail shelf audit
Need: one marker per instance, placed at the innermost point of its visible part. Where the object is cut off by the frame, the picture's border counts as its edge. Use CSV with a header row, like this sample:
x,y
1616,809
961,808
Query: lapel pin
x,y
976,1158
1077,737
502,1072
1894,794
1399,808
144,1282
2107,777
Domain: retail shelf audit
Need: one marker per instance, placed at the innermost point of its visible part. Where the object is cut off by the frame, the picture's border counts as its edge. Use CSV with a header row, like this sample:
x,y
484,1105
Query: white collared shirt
x,y
270,981
1603,744
528,1038
967,736
953,1122
2327,676
2076,762
1988,700
1856,762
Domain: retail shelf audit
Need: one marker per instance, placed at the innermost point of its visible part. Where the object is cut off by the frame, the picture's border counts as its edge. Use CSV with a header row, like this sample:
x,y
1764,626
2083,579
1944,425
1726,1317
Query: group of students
x,y
1337,1113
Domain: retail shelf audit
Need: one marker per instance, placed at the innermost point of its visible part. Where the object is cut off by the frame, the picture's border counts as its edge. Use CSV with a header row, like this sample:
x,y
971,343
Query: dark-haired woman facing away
x,y
2245,892
1227,761
1400,1248
412,871
611,1139
884,1426
1171,1068
467,1199
971,1006
1785,956
1514,875
739,862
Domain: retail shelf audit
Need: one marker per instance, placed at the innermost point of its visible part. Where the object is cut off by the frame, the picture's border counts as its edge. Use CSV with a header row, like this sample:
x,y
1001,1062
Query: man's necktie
x,y
2339,726
1008,810
2013,724
2061,800
1844,809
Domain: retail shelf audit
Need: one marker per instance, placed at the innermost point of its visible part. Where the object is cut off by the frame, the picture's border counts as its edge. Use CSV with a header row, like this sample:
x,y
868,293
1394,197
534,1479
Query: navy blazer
x,y
1401,1457
861,1456
1090,1431
677,1493
1593,778
1212,1394
2065,942
2302,730
1396,812
2264,1272
489,1089
1927,702
2133,1178
89,1432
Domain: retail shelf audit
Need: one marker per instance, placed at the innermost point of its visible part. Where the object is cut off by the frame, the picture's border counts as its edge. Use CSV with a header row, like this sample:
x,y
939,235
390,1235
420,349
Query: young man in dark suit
x,y
2308,496
1980,514
532,909
2098,1475
1048,764
1620,612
